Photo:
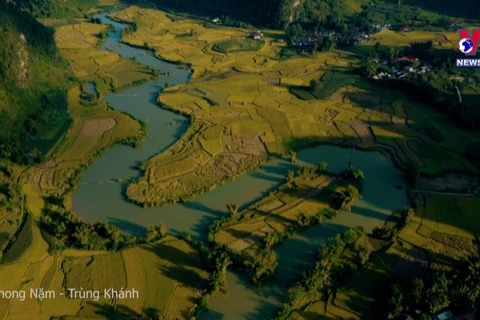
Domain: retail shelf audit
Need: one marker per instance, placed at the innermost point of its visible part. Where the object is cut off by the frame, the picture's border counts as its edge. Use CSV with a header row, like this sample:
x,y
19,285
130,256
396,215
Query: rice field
x,y
171,262
277,212
441,40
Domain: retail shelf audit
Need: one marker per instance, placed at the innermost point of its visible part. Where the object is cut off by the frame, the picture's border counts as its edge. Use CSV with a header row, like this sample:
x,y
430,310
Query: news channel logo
x,y
468,45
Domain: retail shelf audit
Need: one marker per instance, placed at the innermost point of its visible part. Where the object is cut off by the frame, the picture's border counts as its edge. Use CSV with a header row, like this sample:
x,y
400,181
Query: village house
x,y
380,27
257,35
403,29
216,20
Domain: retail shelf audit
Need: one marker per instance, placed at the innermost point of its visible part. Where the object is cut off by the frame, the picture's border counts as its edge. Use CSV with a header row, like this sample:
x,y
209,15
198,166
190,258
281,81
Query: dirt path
x,y
454,194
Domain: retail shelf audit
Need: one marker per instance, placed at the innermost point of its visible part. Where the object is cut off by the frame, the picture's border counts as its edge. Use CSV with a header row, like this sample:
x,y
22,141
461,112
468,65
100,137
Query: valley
x,y
198,161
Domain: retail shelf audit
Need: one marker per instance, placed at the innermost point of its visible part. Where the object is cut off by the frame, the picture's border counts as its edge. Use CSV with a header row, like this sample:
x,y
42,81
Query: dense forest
x,y
56,8
279,13
273,13
33,81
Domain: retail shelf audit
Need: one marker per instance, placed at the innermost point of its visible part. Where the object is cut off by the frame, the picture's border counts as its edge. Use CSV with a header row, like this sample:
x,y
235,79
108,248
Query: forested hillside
x,y
33,80
274,13
278,13
56,8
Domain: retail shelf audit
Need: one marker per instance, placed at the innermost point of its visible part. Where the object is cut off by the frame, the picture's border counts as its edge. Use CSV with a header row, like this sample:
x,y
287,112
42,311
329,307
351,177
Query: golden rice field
x,y
141,268
253,96
441,40
276,213
77,44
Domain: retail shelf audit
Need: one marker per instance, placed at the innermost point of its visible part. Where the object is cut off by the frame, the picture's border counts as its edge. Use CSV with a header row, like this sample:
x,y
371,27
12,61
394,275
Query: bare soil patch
x,y
441,38
272,81
275,204
97,127
328,116
256,237
363,130
246,143
223,116
464,244
253,145
453,182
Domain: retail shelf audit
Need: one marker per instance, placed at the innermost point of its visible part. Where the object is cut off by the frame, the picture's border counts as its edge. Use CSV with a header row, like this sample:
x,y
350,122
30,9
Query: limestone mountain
x,y
32,84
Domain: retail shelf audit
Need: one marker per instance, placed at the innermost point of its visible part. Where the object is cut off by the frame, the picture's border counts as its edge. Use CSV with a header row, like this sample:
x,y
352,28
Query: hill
x,y
33,79
273,13
279,13
56,8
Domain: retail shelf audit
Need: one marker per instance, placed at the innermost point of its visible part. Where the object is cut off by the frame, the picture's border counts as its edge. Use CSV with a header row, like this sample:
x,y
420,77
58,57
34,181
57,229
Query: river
x,y
99,197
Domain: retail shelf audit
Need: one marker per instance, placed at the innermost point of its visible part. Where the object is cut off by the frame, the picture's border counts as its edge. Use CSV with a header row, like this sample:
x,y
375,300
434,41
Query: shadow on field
x,y
195,205
306,247
182,262
128,227
4,238
211,315
368,213
118,312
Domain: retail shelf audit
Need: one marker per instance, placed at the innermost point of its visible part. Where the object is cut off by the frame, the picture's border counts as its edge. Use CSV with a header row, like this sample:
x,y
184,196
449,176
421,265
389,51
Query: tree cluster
x,y
308,172
354,174
68,230
458,289
316,278
264,262
389,234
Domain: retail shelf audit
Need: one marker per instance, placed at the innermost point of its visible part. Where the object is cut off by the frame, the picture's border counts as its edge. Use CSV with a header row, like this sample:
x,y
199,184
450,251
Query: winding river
x,y
99,197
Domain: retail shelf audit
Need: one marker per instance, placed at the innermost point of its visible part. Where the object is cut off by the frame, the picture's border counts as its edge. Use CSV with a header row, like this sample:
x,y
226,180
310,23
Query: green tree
x,y
395,302
290,177
293,157
354,174
233,210
262,264
161,230
437,294
415,292
320,167
270,239
155,72
369,68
